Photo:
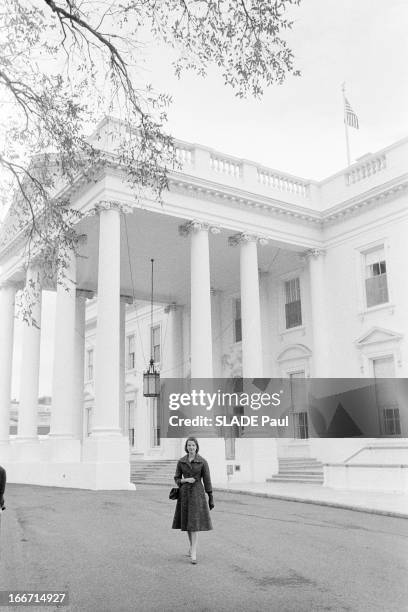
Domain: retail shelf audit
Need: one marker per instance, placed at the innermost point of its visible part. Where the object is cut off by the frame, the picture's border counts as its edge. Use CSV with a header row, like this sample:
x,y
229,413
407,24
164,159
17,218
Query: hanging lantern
x,y
151,381
151,378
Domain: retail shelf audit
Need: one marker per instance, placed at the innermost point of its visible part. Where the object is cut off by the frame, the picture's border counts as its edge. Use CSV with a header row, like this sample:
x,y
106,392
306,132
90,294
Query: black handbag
x,y
174,493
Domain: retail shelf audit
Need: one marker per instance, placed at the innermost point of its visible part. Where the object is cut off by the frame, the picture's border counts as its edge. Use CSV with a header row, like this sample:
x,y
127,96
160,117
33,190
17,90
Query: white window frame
x,y
154,422
233,308
285,282
128,353
362,252
386,347
283,278
159,327
90,351
381,355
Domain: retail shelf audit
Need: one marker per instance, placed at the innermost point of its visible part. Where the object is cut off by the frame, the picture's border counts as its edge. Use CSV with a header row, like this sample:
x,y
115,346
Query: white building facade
x,y
257,274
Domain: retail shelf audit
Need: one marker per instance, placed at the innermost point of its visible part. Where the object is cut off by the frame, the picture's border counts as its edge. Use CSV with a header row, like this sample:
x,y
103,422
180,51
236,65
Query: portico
x,y
227,229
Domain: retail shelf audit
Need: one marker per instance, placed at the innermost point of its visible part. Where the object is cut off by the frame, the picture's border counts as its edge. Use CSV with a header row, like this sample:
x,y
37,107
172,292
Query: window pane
x,y
376,290
237,321
293,306
293,314
238,330
156,343
392,424
238,308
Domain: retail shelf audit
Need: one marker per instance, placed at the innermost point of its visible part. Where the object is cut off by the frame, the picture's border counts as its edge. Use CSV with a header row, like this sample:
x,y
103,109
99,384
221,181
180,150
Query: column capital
x,y
314,254
195,226
244,237
122,207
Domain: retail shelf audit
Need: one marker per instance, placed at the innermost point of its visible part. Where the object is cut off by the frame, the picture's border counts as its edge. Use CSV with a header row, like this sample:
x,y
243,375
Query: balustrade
x,y
366,169
282,182
224,165
184,155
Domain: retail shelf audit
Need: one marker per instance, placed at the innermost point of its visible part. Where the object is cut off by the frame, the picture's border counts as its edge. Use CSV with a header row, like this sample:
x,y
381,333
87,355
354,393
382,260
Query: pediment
x,y
378,335
294,351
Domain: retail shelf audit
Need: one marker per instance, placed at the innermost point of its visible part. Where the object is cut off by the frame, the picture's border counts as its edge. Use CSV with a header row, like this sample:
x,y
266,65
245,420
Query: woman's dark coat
x,y
192,512
2,486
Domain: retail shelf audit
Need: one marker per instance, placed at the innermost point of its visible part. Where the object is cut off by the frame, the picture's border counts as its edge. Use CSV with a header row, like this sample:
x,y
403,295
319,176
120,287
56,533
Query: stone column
x,y
201,332
124,299
107,358
319,313
7,298
173,344
252,358
172,364
79,360
106,450
30,366
63,415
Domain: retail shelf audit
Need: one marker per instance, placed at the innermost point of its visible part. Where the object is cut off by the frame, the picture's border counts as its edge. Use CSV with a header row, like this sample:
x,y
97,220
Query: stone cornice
x,y
298,214
217,192
369,199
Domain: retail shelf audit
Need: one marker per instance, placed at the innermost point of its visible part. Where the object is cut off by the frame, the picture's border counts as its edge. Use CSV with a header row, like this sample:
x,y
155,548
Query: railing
x,y
223,165
185,155
283,183
366,169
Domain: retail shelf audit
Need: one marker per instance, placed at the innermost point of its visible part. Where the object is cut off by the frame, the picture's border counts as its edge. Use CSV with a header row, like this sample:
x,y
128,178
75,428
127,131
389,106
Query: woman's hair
x,y
192,440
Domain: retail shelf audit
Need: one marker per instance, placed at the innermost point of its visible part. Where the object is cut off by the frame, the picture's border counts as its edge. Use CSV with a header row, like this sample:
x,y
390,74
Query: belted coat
x,y
192,512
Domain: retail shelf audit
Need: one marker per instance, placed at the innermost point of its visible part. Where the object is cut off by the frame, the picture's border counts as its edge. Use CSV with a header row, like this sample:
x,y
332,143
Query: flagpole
x,y
343,88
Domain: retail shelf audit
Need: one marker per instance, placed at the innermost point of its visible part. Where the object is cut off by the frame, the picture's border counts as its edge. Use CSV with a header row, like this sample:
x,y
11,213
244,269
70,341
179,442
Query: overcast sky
x,y
297,127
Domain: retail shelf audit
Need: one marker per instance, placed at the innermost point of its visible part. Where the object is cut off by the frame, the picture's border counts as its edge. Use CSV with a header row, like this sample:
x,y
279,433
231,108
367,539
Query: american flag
x,y
350,116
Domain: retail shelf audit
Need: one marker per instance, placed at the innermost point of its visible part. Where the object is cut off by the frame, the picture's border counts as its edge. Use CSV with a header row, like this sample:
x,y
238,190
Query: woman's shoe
x,y
193,561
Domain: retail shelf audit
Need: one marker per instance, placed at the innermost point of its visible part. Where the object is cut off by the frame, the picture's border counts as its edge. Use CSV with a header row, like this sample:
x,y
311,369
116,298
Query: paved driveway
x,y
115,551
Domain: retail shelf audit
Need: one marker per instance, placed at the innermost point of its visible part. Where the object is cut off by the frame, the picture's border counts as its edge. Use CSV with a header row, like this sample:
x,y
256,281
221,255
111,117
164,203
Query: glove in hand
x,y
210,501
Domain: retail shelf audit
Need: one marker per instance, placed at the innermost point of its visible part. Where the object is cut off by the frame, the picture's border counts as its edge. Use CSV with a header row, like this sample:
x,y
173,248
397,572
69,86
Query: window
x,y
131,352
229,448
392,426
293,306
90,364
155,423
298,398
130,406
237,321
387,404
301,425
156,343
376,277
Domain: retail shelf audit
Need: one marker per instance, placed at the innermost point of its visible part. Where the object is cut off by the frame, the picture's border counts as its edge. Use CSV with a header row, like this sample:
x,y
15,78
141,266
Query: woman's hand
x,y
190,480
210,501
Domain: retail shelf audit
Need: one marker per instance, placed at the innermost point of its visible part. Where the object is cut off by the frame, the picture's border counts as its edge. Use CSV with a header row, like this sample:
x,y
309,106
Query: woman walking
x,y
192,513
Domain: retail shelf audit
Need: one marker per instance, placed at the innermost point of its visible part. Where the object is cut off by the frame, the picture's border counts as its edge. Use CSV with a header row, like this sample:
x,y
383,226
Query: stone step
x,y
299,469
298,475
299,472
301,466
318,481
299,462
160,471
